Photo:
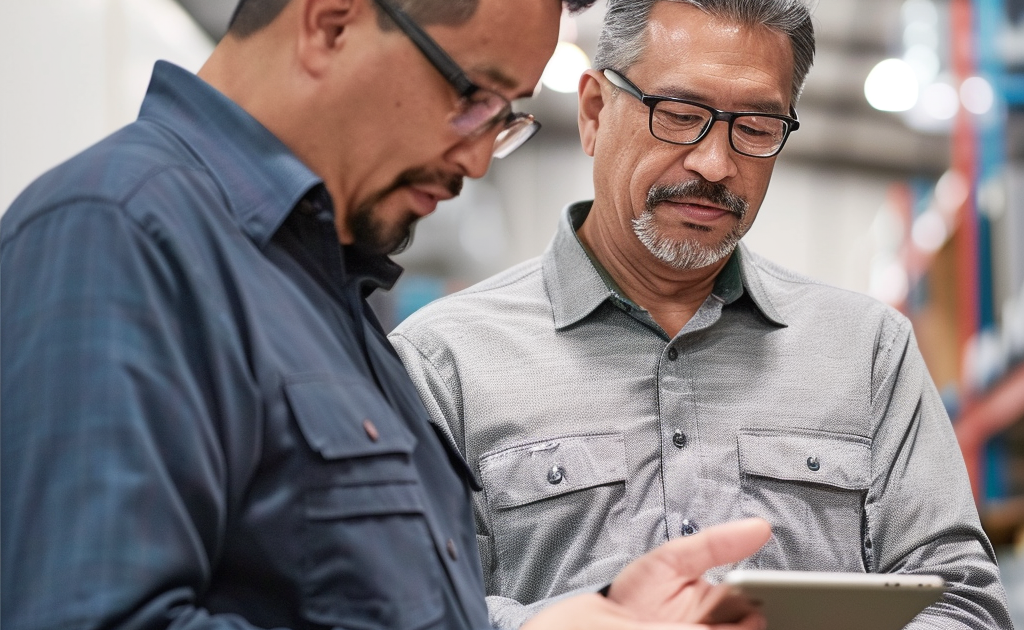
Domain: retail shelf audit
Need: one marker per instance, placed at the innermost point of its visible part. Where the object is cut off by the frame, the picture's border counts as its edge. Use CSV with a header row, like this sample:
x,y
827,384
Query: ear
x,y
591,103
323,28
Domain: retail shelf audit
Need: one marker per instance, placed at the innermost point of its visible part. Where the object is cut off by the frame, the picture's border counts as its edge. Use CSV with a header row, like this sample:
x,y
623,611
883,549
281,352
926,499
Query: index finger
x,y
721,544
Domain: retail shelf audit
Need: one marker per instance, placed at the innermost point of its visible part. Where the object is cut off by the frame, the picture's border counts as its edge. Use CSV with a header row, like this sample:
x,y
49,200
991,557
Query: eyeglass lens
x,y
482,110
684,123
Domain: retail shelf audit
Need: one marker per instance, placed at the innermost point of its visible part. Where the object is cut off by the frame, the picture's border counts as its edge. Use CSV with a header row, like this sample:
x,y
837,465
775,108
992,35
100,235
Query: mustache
x,y
451,182
701,189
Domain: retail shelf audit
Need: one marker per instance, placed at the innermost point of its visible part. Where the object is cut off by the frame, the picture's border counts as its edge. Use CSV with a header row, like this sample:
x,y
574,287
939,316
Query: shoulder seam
x,y
114,202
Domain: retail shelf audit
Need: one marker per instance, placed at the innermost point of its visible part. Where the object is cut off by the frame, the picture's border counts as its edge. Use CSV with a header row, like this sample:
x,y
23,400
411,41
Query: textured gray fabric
x,y
801,403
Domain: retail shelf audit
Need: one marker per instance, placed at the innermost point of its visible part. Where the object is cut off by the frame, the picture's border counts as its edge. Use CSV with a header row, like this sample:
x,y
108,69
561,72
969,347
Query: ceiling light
x,y
924,61
919,11
891,86
563,71
920,34
939,100
977,95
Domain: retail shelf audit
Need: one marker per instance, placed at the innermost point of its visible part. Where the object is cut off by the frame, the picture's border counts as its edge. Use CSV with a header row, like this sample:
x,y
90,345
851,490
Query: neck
x,y
258,73
671,296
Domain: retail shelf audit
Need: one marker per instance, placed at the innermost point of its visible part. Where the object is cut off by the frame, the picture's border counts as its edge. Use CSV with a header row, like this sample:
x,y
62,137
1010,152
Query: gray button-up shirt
x,y
597,437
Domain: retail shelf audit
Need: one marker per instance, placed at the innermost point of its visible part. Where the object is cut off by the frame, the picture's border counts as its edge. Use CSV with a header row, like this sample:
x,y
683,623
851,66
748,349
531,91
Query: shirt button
x,y
679,438
672,354
371,430
453,553
556,474
689,528
813,463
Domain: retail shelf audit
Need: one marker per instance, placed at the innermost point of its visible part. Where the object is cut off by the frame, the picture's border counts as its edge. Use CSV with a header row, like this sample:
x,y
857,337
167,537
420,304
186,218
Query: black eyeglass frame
x,y
458,79
619,80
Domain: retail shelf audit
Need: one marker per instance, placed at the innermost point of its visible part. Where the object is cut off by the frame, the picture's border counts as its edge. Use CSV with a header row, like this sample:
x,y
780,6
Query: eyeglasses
x,y
679,121
479,109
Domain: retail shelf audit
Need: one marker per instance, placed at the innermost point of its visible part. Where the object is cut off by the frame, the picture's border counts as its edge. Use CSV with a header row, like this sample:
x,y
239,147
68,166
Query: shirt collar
x,y
261,178
576,286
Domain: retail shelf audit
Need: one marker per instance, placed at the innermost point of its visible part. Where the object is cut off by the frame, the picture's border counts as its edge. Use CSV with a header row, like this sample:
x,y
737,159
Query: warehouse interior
x,y
905,180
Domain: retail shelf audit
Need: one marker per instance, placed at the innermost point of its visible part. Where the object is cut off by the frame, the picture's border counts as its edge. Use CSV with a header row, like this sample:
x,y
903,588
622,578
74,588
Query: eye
x,y
758,127
680,116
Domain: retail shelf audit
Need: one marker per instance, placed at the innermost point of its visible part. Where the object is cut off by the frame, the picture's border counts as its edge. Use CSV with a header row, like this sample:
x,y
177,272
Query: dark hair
x,y
252,15
622,40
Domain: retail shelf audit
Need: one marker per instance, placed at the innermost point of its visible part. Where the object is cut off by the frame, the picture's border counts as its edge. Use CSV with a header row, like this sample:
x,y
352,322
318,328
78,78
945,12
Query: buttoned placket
x,y
680,439
317,207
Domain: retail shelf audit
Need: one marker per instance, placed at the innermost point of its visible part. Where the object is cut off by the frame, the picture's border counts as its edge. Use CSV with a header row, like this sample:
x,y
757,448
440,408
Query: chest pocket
x,y
810,485
368,557
556,511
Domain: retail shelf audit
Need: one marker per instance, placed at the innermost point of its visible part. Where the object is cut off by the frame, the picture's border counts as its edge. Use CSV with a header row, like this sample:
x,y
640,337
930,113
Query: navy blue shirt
x,y
203,425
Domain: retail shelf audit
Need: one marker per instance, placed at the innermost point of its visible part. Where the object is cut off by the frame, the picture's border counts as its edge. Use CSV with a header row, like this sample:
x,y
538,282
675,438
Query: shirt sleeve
x,y
113,474
919,511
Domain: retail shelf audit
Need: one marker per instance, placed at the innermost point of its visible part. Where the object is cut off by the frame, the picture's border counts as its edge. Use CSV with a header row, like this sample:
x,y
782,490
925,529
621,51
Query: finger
x,y
753,621
722,544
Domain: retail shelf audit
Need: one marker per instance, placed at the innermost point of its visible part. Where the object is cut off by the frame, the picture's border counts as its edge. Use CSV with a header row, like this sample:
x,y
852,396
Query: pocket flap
x,y
834,459
346,417
548,468
384,499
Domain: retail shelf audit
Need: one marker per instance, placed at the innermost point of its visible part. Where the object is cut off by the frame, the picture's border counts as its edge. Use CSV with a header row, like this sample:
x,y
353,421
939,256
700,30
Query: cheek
x,y
660,164
757,184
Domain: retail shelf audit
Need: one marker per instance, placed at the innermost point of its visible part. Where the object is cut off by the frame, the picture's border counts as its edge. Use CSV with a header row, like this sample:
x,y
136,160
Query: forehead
x,y
505,44
691,54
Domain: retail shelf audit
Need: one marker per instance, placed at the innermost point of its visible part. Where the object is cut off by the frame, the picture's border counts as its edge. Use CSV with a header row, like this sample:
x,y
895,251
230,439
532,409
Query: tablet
x,y
812,600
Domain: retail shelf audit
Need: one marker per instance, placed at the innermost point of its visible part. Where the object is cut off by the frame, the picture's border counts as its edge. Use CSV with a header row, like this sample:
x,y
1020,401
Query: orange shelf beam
x,y
986,416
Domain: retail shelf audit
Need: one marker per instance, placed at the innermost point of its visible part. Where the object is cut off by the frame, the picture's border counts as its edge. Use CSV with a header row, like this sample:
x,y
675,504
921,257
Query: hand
x,y
593,612
665,584
663,589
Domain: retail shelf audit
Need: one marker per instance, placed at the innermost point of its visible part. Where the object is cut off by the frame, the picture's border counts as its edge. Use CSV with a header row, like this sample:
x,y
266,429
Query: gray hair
x,y
622,38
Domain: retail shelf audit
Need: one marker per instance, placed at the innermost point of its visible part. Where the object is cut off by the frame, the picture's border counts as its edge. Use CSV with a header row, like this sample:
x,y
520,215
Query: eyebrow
x,y
764,107
500,78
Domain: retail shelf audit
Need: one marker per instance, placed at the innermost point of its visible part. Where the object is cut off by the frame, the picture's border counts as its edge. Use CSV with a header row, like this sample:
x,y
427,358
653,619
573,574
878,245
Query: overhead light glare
x,y
940,101
920,34
563,71
892,86
977,95
924,61
919,12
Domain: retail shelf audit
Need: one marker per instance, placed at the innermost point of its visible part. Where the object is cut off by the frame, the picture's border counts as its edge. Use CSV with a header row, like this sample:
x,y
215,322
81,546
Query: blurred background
x,y
905,180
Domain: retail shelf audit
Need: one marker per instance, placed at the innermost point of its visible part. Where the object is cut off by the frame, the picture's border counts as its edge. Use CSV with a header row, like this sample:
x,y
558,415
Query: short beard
x,y
690,253
370,233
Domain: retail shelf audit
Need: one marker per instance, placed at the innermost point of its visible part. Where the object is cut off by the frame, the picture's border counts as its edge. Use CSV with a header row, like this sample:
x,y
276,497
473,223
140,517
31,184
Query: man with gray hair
x,y
648,376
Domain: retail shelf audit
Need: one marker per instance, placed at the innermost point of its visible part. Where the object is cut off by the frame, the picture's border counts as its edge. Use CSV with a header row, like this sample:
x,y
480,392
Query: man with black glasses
x,y
203,424
649,377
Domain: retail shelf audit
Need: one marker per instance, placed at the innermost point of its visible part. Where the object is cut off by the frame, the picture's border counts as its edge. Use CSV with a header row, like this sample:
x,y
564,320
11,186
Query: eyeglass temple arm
x,y
622,82
444,63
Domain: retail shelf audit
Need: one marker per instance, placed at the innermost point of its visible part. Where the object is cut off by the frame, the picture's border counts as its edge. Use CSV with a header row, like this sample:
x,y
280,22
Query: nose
x,y
713,157
473,155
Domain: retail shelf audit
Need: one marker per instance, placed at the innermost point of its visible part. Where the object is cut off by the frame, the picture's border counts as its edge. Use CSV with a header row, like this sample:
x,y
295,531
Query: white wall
x,y
72,71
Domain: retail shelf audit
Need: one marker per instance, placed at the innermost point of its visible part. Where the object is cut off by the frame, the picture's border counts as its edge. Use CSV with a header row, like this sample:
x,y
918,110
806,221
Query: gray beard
x,y
689,253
